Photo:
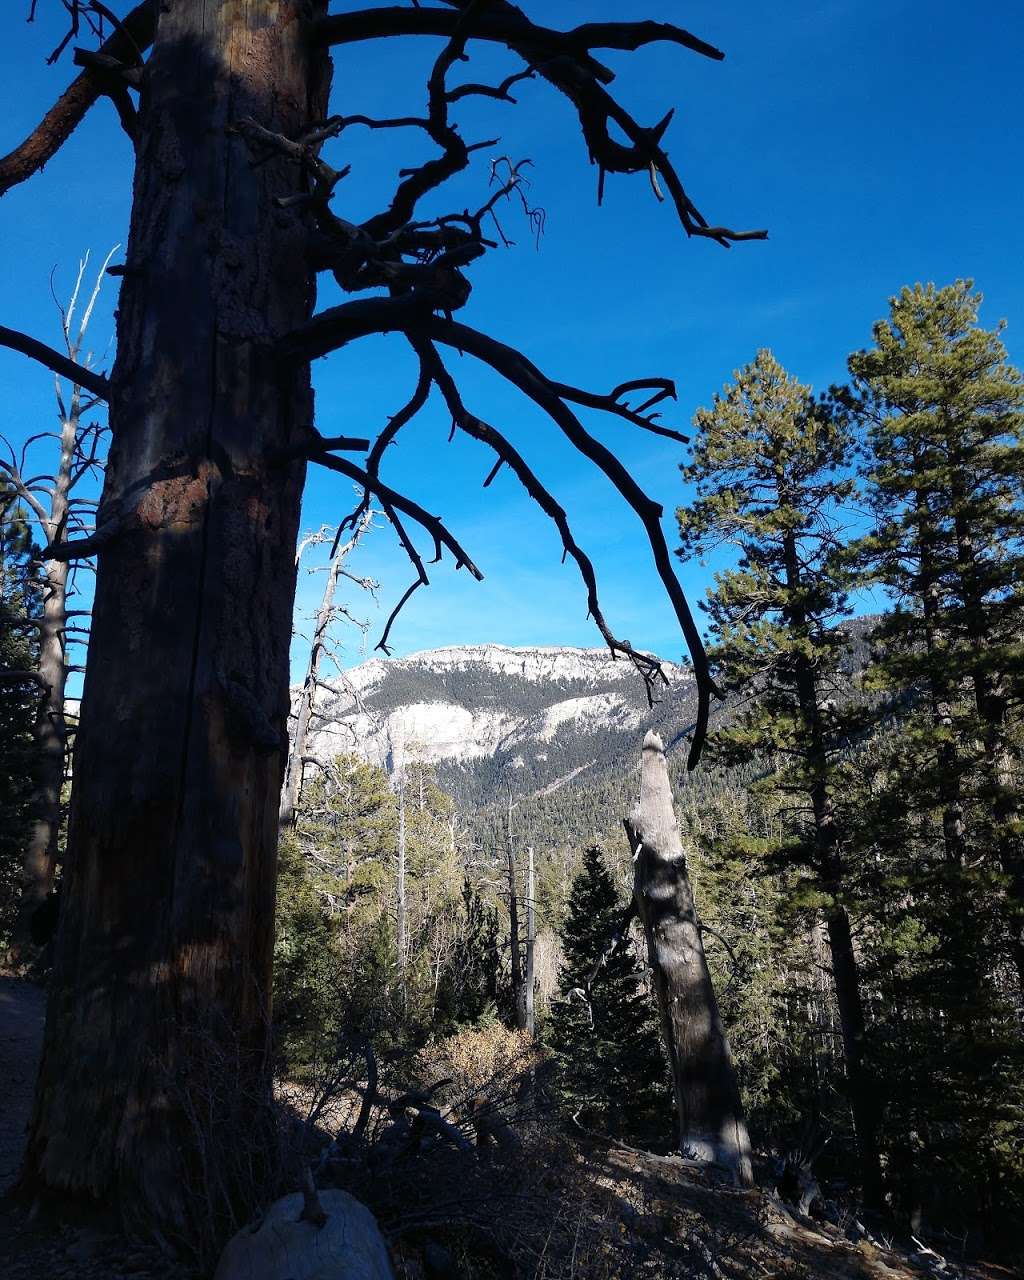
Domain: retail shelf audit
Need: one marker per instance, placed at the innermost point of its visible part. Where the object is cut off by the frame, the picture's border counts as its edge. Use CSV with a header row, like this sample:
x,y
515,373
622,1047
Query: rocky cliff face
x,y
479,711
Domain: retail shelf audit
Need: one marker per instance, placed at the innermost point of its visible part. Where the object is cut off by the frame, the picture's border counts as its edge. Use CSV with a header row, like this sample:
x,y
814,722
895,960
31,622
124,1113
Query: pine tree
x,y
935,816
612,1073
469,988
769,468
944,415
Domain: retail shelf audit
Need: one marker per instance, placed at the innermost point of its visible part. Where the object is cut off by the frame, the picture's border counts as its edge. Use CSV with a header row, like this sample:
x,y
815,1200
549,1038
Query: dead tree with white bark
x,y
59,510
321,646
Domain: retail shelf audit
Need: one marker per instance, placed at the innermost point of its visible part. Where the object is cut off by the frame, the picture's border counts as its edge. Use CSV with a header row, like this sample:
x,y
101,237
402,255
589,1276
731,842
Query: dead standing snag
x,y
211,412
711,1124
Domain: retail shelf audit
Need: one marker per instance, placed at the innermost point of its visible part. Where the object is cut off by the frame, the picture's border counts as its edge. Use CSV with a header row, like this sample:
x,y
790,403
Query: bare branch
x,y
360,317
564,59
648,666
66,367
392,503
510,27
520,371
134,35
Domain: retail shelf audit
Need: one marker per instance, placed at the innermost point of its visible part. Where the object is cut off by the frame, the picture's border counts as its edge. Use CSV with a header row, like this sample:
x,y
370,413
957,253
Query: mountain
x,y
539,717
561,727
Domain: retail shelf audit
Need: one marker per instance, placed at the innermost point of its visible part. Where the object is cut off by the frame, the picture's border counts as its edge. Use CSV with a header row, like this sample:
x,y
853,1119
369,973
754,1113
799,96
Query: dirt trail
x,y
22,1013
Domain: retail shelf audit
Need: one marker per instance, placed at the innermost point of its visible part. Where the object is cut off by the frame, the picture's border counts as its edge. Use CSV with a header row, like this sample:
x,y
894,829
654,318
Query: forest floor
x,y
732,1234
677,1217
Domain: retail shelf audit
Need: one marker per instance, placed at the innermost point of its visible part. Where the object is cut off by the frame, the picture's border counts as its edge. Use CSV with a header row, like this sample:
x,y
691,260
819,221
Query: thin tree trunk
x,y
168,911
711,1124
292,787
401,926
50,729
531,942
845,970
516,966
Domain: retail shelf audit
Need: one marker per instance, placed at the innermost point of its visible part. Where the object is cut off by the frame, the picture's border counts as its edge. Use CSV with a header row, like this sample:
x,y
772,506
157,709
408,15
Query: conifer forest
x,y
363,917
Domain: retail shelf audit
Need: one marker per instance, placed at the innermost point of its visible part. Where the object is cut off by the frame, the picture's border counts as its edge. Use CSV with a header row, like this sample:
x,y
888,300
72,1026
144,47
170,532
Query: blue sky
x,y
877,140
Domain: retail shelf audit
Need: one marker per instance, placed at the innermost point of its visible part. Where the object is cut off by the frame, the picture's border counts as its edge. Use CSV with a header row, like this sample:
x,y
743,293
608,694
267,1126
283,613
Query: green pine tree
x,y
944,417
611,1069
770,468
935,815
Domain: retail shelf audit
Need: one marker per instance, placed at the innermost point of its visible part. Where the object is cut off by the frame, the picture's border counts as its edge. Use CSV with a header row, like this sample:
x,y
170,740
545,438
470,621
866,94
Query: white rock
x,y
439,729
349,1246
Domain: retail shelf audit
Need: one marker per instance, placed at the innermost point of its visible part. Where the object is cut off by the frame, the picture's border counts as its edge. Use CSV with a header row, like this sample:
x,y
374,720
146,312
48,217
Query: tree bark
x,y
168,917
710,1114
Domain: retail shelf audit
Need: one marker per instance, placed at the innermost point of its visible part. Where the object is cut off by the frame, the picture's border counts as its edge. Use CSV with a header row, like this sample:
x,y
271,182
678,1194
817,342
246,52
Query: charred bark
x,y
710,1114
168,917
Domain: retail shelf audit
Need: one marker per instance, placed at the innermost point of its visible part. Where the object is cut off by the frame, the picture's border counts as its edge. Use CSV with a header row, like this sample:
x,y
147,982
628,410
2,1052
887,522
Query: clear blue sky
x,y
877,140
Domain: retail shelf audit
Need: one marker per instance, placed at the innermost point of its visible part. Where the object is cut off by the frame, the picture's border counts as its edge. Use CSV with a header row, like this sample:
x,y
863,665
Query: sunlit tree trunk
x,y
708,1108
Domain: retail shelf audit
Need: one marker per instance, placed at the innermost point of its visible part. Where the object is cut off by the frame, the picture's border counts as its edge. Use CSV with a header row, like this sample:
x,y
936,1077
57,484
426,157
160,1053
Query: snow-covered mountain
x,y
480,711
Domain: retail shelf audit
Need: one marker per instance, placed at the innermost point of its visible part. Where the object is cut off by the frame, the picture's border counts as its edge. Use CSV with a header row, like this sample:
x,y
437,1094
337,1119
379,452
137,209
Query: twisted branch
x,y
133,36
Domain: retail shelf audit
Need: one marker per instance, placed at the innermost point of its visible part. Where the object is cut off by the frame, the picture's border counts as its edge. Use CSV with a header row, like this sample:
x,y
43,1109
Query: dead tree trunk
x,y
168,922
63,518
531,943
516,954
711,1124
401,923
292,787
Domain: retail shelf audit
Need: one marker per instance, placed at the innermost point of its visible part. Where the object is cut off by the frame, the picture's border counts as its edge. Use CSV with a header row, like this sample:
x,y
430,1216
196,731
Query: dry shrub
x,y
488,1059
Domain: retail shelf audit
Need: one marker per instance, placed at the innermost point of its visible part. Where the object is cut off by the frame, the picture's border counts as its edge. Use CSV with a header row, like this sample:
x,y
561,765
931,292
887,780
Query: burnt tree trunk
x,y
168,918
710,1114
